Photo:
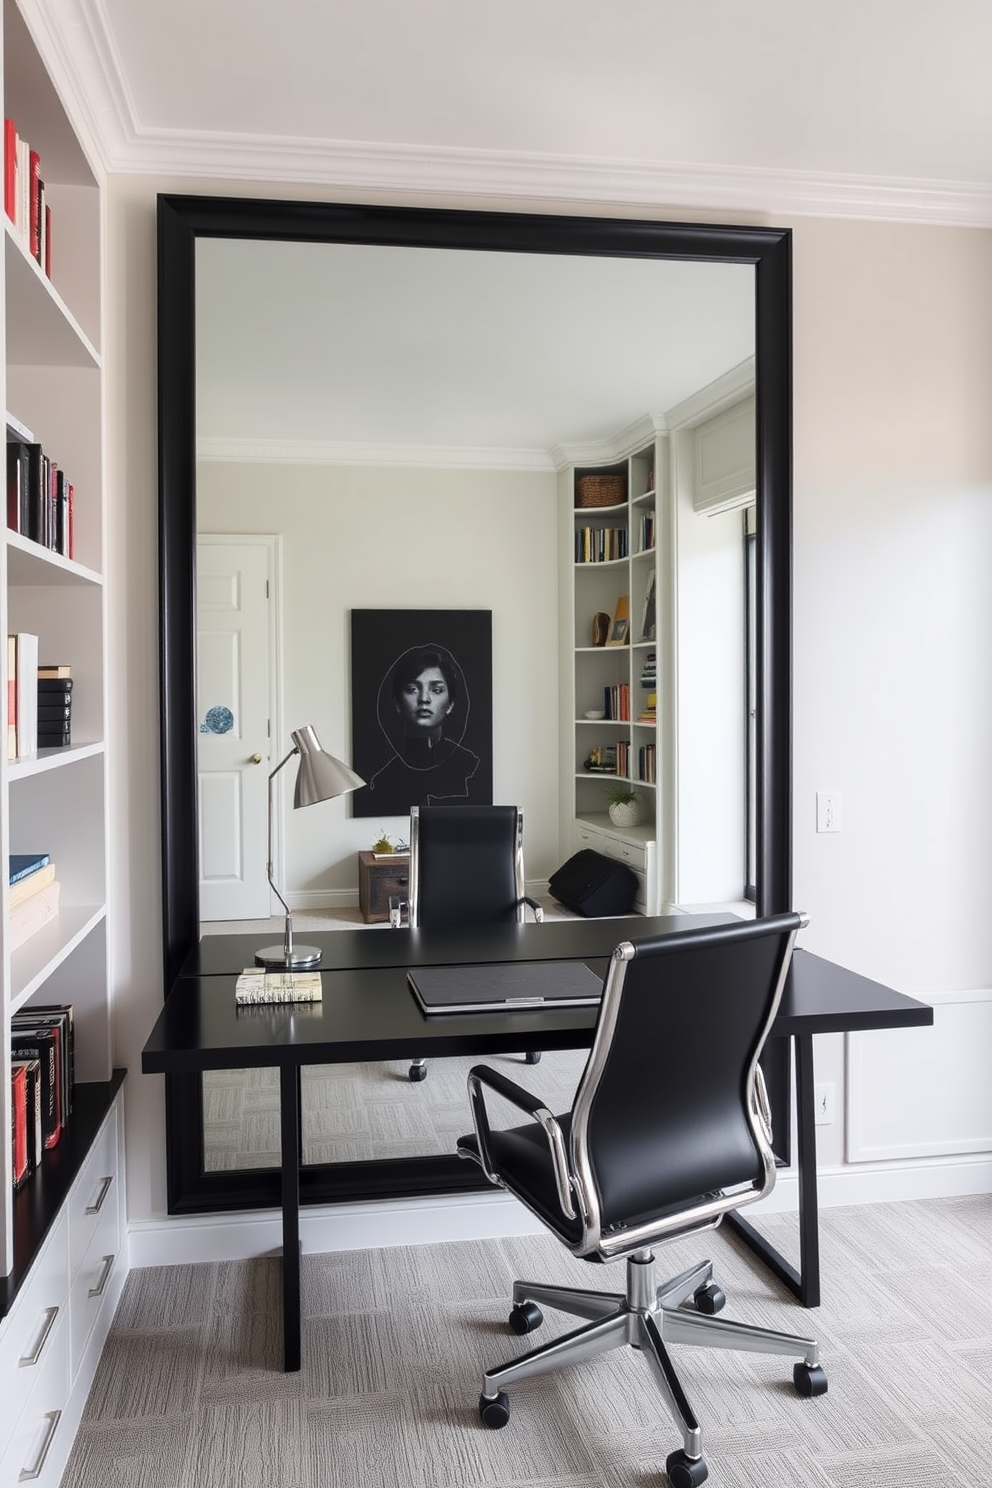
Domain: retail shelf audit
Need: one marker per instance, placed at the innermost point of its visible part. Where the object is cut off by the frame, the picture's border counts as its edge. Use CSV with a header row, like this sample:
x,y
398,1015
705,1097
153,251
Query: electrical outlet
x,y
828,811
823,1102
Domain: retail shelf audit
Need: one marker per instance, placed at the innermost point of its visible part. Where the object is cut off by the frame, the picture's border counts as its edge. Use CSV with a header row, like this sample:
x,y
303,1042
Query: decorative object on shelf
x,y
620,629
600,628
595,714
600,490
625,806
319,778
382,846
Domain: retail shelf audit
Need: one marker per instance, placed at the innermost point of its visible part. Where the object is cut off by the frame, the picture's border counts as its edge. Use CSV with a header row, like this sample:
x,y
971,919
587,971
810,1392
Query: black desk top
x,y
369,946
369,1013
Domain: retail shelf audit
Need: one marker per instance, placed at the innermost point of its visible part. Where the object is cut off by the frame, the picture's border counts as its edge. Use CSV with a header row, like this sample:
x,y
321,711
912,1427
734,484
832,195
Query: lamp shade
x,y
320,775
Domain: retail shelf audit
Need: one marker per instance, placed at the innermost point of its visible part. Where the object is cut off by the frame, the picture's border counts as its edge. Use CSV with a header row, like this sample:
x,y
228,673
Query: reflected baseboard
x,y
339,917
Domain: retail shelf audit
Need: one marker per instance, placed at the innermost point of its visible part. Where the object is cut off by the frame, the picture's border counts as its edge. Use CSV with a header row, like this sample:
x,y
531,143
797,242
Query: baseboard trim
x,y
186,1240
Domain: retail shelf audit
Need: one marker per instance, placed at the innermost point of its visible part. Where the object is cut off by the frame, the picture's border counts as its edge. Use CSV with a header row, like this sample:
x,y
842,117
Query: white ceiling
x,y
851,107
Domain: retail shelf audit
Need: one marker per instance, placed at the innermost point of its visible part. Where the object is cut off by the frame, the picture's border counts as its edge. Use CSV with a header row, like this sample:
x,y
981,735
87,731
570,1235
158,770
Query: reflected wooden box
x,y
378,878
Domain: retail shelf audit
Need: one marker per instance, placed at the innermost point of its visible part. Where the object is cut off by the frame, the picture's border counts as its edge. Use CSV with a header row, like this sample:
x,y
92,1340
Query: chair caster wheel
x,y
533,1057
418,1072
525,1317
709,1298
494,1413
685,1472
809,1379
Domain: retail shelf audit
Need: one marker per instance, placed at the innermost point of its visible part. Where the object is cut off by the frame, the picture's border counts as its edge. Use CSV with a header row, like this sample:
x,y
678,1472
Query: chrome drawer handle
x,y
28,1474
27,1360
95,1207
108,1266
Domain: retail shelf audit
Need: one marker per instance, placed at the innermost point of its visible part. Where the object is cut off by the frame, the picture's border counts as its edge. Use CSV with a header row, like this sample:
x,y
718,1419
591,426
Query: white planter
x,y
625,813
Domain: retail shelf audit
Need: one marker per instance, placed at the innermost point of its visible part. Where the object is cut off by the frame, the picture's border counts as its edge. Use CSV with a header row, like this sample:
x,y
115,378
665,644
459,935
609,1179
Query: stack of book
x,y
42,1080
24,196
54,692
34,896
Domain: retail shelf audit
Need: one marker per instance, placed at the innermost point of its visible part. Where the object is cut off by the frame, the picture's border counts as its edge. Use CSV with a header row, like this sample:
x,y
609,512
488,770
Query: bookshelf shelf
x,y
30,564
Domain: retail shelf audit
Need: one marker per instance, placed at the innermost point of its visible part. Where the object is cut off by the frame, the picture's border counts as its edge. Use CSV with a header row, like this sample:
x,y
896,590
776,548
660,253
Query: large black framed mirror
x,y
182,222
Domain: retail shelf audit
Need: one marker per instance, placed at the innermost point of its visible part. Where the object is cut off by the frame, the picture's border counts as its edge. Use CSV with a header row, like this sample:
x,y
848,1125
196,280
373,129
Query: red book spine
x,y
72,522
34,205
19,1124
10,169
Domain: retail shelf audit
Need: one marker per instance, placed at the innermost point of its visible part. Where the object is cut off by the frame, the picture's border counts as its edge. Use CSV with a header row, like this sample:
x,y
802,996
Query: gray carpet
x,y
189,1393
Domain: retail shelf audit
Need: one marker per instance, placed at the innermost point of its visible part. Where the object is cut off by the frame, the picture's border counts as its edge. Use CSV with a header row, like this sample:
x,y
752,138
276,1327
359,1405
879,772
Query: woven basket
x,y
600,490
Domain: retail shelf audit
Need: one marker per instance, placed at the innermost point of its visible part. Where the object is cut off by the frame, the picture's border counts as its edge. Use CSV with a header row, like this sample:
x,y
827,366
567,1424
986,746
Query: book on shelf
x,y
20,865
24,888
53,712
60,1015
620,628
18,487
57,738
42,1043
11,697
10,169
27,694
49,671
256,985
32,1077
32,914
18,1124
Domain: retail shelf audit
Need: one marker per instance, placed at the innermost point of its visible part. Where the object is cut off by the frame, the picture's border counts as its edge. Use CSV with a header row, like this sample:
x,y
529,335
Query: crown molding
x,y
393,456
78,33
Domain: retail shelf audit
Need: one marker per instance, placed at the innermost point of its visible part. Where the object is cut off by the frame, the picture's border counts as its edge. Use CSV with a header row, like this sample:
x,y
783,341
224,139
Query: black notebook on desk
x,y
505,986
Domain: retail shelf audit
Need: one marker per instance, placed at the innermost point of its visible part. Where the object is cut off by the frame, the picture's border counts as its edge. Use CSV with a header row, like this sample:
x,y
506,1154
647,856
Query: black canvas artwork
x,y
421,709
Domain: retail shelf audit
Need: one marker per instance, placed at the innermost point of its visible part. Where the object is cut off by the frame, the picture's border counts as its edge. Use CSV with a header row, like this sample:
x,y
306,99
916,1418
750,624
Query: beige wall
x,y
384,538
893,617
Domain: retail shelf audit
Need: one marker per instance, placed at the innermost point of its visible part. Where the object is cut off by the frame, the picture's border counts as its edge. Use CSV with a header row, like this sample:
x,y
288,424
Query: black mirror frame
x,y
183,219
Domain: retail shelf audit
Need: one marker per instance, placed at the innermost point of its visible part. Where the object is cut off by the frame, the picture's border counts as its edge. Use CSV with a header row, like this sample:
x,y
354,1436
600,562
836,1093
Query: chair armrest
x,y
525,1101
537,908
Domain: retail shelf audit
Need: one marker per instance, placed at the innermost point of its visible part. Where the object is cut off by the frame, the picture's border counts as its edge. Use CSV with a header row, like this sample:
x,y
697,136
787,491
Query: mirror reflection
x,y
401,428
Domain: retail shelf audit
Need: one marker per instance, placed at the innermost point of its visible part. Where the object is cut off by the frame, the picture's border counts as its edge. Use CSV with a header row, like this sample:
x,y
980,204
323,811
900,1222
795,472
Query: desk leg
x,y
804,1283
289,1108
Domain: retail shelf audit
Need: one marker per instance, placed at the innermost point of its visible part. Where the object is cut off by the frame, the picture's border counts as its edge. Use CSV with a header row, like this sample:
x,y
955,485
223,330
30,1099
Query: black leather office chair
x,y
466,868
669,1131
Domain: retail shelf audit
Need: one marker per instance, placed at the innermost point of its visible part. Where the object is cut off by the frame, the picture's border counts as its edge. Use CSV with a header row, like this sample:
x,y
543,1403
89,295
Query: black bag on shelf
x,y
594,885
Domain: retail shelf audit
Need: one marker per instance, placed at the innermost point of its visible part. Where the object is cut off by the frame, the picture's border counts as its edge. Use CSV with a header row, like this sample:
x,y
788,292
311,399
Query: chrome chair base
x,y
648,1317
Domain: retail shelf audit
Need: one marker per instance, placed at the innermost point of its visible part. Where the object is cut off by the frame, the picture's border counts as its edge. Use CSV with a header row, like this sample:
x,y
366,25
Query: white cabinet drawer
x,y
34,1452
588,837
631,853
92,1281
93,1193
29,1334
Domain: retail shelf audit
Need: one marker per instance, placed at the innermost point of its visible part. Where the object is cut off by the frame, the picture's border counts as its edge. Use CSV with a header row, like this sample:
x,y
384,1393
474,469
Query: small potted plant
x,y
625,805
382,845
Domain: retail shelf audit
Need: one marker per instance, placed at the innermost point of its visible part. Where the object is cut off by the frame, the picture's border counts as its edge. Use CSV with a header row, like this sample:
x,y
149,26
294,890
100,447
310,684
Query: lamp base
x,y
300,956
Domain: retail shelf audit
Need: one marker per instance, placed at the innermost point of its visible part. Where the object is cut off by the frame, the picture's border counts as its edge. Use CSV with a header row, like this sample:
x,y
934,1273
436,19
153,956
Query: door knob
x,y
254,759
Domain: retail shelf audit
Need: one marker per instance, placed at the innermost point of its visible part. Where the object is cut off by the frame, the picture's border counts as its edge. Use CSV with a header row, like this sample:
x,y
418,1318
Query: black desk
x,y
368,1013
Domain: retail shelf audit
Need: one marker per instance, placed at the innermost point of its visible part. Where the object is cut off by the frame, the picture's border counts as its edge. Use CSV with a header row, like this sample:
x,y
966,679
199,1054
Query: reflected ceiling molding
x,y
605,451
713,398
405,456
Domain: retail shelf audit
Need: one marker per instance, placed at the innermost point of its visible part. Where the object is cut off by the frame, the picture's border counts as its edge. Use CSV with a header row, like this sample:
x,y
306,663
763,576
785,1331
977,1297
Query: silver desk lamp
x,y
319,778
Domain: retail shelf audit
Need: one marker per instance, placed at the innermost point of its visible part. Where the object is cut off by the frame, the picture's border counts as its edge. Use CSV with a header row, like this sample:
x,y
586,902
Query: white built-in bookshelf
x,y
62,1232
614,568
669,549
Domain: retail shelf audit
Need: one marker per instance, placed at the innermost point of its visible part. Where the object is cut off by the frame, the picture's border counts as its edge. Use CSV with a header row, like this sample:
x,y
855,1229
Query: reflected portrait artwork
x,y
421,709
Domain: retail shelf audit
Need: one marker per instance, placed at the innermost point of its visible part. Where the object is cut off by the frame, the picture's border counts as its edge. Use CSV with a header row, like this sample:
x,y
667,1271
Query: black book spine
x,y
42,1044
36,493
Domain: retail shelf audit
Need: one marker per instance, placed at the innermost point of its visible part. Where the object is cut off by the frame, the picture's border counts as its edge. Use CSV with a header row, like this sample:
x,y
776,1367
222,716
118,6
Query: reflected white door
x,y
235,651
